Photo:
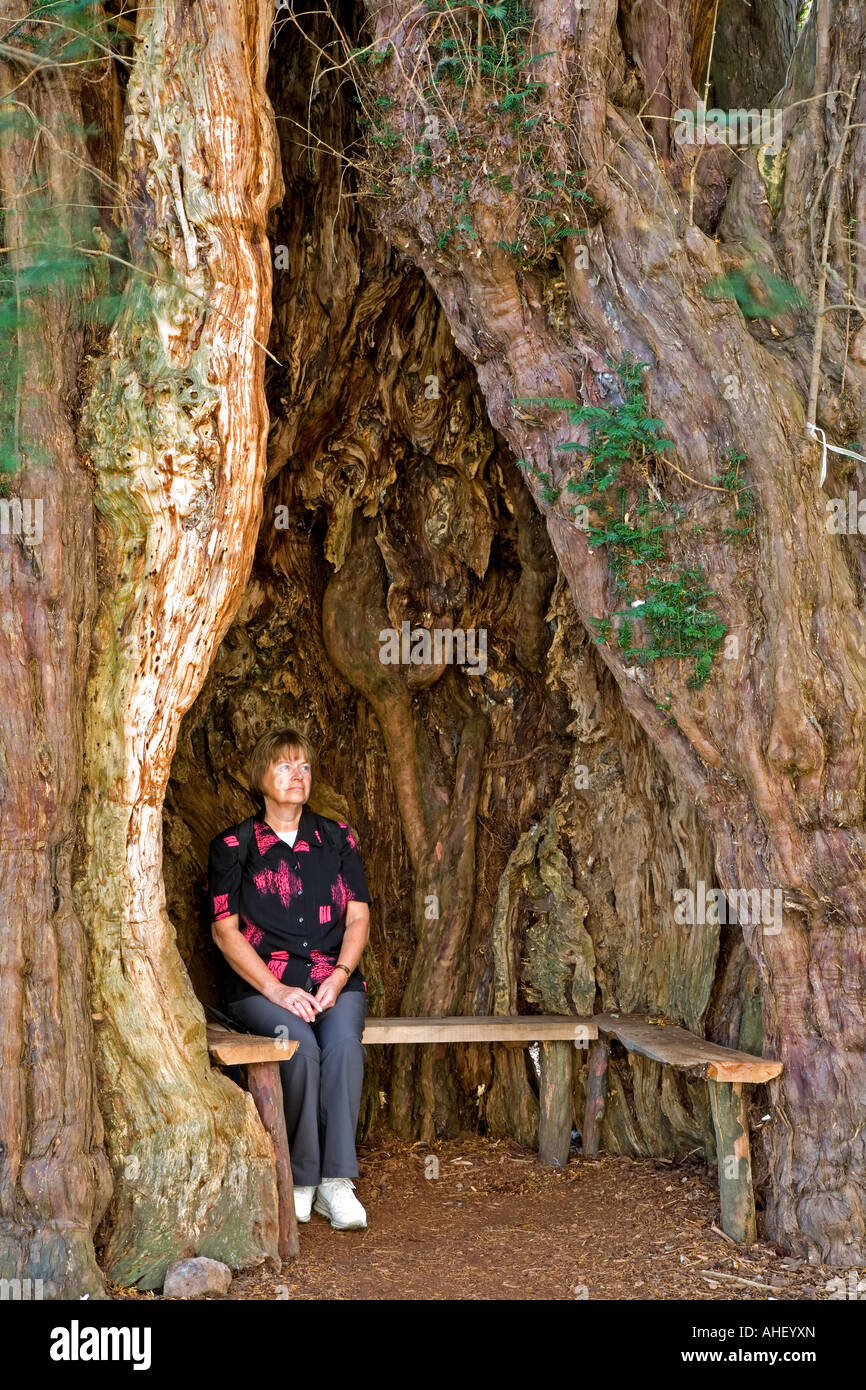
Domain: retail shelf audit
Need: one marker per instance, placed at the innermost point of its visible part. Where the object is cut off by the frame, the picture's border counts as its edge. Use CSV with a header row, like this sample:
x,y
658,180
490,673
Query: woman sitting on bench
x,y
289,906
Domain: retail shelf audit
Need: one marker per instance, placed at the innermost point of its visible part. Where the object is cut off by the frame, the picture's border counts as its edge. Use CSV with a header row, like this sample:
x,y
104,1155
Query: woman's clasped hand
x,y
298,1001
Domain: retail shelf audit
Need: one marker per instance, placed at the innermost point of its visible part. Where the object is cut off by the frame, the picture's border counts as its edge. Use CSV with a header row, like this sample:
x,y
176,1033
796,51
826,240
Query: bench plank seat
x,y
237,1049
665,1042
525,1028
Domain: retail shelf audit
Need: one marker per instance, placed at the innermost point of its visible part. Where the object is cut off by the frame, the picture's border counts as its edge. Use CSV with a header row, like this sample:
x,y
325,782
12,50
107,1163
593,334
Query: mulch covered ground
x,y
496,1224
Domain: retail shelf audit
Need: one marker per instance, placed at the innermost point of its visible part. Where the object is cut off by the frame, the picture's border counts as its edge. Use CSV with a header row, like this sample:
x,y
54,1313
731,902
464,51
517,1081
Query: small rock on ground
x,y
195,1276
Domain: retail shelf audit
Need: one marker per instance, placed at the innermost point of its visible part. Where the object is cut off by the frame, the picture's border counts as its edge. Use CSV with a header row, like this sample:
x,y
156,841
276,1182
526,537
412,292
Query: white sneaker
x,y
336,1200
304,1202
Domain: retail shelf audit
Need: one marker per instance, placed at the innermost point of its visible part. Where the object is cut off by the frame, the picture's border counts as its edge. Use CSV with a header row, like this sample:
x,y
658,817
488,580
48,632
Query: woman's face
x,y
287,780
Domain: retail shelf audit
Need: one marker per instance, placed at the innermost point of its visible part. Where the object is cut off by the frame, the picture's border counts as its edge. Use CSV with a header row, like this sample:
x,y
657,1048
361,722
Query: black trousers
x,y
321,1082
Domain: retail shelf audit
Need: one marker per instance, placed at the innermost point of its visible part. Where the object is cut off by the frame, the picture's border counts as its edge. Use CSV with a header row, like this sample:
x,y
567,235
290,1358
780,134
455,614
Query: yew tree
x,y
460,315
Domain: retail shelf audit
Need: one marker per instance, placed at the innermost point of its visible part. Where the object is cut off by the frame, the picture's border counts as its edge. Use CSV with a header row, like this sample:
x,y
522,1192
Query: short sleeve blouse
x,y
291,900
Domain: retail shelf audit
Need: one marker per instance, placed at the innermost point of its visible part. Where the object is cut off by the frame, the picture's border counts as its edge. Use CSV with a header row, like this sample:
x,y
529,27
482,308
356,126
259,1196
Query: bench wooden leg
x,y
266,1089
557,1102
730,1121
596,1094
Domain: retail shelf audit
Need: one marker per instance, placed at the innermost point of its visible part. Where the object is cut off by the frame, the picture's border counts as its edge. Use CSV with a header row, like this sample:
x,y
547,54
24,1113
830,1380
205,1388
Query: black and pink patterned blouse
x,y
291,900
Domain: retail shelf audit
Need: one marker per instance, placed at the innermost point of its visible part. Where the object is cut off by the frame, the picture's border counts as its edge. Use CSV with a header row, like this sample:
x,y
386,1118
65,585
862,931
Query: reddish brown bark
x,y
55,1179
771,749
175,427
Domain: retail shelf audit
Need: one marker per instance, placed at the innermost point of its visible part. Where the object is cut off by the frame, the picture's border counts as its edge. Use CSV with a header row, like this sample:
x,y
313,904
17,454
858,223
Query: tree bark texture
x,y
54,1177
176,426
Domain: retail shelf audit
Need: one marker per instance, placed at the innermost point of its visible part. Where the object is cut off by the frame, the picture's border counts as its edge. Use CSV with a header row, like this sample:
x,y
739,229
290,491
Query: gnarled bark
x,y
54,1178
176,427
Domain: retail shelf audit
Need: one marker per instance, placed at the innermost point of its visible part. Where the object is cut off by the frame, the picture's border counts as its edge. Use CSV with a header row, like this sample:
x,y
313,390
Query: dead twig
x,y
723,1235
735,1279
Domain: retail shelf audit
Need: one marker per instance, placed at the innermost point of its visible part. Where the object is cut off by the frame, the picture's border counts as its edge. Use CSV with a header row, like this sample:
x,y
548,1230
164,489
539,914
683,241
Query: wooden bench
x,y
726,1071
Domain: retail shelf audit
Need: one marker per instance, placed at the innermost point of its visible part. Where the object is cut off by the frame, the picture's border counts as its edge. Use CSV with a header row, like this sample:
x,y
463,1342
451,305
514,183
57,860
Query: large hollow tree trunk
x,y
176,427
377,412
770,748
54,1178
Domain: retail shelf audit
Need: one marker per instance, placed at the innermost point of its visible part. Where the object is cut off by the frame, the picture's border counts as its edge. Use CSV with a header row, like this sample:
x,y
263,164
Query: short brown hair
x,y
272,746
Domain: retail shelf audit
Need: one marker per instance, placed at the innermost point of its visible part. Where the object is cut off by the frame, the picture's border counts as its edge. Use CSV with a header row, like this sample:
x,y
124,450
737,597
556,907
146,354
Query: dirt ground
x,y
473,1218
